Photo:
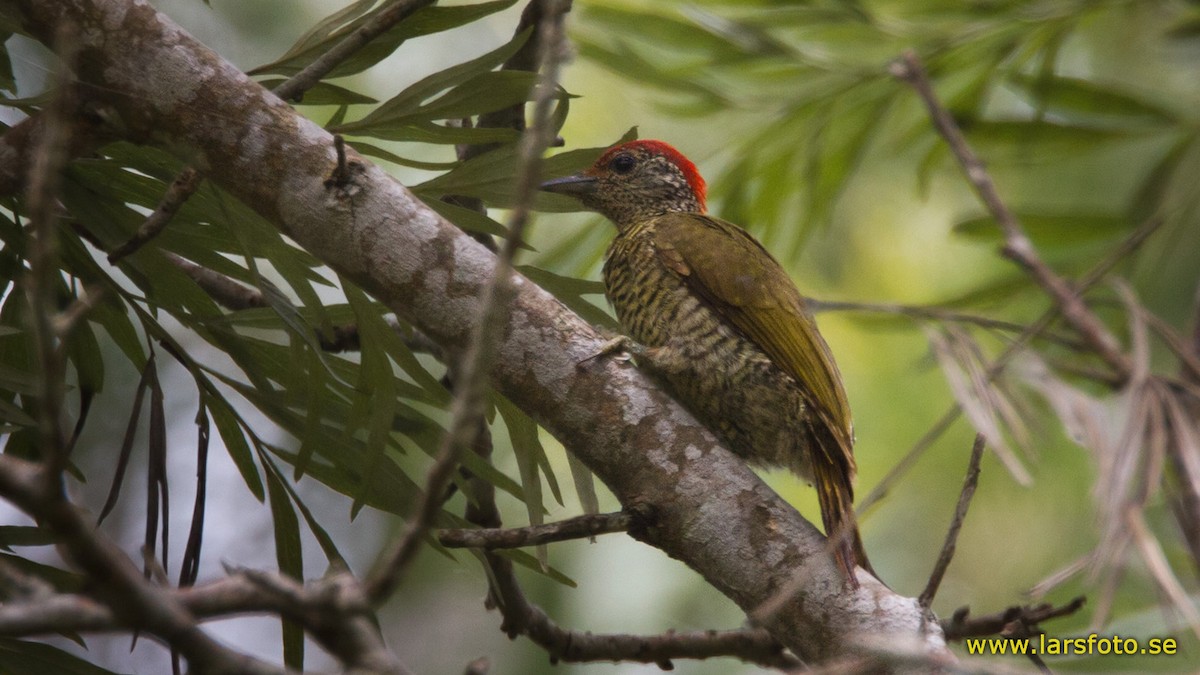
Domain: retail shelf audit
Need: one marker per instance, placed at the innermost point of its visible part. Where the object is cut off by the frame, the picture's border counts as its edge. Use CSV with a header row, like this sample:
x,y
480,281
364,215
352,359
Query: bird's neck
x,y
629,220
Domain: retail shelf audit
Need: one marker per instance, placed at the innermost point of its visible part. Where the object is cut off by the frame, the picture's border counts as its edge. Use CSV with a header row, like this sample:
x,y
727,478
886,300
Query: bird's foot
x,y
622,345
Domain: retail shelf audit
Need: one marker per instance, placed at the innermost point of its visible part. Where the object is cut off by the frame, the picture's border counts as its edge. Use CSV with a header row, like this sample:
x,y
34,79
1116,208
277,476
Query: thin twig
x,y
331,609
960,514
579,527
183,187
754,645
961,625
379,24
1091,278
471,373
45,177
934,314
132,599
1018,246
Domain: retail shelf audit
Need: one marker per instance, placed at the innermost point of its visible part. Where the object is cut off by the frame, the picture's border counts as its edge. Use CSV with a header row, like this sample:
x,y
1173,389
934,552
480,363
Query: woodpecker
x,y
708,310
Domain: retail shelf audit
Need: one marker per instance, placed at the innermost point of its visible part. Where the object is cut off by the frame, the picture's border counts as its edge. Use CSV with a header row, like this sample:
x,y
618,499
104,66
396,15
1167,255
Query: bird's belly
x,y
726,380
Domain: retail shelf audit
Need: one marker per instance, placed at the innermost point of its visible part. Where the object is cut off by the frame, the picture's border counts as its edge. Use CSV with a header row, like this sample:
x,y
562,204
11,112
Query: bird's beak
x,y
576,185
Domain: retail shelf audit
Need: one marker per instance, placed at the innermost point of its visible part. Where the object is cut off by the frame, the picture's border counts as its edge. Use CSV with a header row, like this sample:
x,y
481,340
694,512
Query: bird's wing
x,y
744,284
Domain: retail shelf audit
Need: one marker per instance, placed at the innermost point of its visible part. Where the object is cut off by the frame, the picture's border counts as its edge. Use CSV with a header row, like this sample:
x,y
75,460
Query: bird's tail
x,y
836,495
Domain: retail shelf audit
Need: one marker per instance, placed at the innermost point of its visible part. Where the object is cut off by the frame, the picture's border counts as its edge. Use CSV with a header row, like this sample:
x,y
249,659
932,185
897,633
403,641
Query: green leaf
x,y
18,381
62,580
379,153
490,176
21,657
625,60
377,381
407,105
585,484
1066,230
525,560
1017,139
24,535
1087,100
324,93
83,351
318,34
428,132
289,555
469,219
723,40
522,431
235,442
1158,183
110,314
571,291
425,21
389,491
7,81
319,533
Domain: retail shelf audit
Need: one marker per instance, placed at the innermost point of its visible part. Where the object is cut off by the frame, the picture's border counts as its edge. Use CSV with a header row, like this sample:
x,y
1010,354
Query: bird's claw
x,y
623,346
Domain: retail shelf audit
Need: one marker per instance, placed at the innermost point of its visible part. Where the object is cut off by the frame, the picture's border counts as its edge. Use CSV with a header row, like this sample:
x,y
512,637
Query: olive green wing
x,y
727,267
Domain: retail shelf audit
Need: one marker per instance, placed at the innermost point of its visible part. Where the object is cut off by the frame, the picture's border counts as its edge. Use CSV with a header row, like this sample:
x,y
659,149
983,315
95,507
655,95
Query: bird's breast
x,y
727,381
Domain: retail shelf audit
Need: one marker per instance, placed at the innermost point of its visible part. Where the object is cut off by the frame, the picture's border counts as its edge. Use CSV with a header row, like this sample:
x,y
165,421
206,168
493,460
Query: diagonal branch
x,y
1091,278
579,527
133,600
188,180
709,508
471,372
1012,622
1018,246
960,514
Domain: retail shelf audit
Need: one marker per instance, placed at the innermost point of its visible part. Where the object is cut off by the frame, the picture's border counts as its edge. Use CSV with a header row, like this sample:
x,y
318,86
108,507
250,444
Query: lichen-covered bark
x,y
708,509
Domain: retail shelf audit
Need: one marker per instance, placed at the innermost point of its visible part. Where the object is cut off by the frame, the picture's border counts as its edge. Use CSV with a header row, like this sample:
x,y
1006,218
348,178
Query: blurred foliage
x,y
1085,111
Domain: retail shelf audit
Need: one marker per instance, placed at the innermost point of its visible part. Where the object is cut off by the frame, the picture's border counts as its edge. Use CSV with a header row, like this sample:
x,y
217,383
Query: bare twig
x,y
132,600
1160,568
322,605
1018,246
527,58
1091,278
471,372
933,313
331,609
1007,623
45,177
960,514
523,618
1184,496
362,36
578,527
184,186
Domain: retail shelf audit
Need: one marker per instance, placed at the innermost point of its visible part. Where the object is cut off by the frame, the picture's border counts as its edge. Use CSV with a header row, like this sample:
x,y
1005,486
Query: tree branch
x,y
133,600
1012,622
1017,246
1091,278
709,507
184,186
960,514
470,380
188,180
579,527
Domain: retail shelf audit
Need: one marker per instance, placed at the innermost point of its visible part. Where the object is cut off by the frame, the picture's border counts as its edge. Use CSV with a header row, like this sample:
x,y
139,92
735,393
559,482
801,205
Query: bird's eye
x,y
622,163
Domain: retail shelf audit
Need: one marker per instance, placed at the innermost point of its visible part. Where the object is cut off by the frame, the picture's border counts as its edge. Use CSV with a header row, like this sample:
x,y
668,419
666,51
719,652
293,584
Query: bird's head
x,y
635,181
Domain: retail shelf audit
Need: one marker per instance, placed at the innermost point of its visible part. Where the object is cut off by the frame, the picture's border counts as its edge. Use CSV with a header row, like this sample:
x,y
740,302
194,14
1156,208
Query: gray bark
x,y
708,509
